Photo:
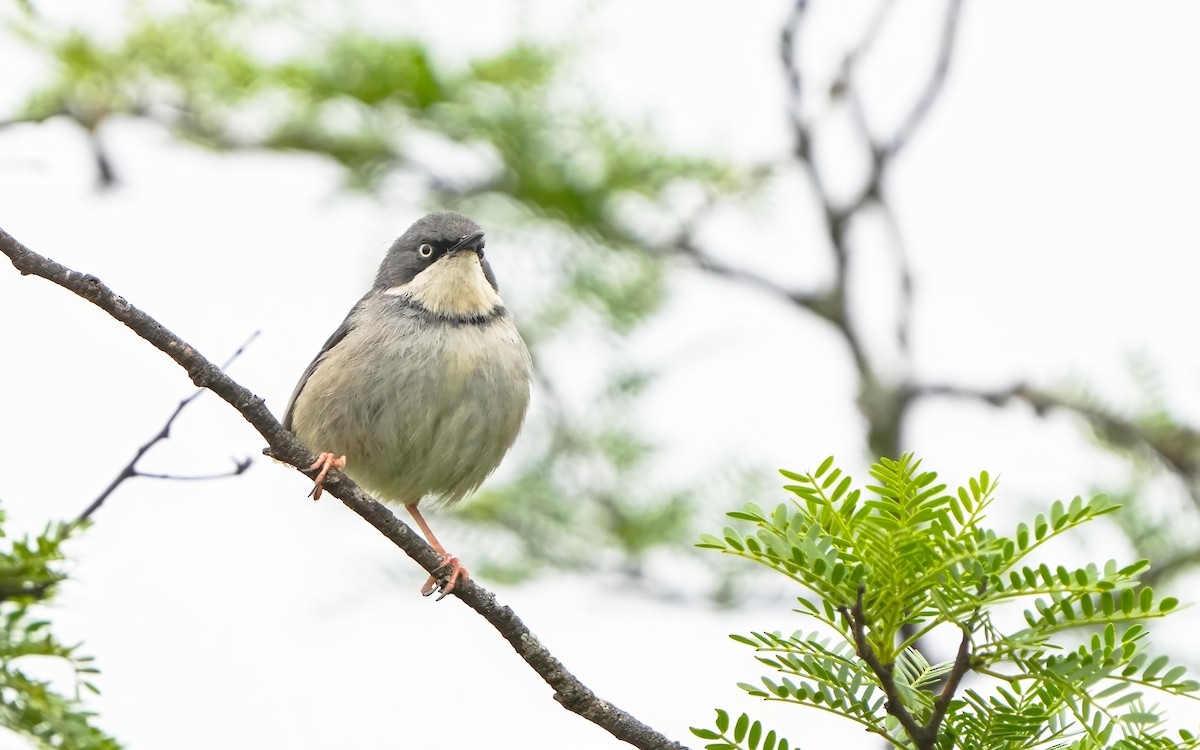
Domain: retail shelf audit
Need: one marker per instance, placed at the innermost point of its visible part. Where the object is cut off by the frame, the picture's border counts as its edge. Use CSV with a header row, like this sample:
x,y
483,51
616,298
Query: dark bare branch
x,y
283,446
885,673
130,469
923,736
239,467
787,54
815,303
865,44
934,84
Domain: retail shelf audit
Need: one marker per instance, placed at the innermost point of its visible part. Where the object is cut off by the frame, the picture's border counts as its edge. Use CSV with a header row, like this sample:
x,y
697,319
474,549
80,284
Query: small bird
x,y
422,389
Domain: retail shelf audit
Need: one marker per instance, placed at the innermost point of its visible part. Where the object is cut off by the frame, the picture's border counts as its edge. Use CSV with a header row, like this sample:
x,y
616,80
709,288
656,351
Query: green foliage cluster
x,y
910,561
28,706
372,103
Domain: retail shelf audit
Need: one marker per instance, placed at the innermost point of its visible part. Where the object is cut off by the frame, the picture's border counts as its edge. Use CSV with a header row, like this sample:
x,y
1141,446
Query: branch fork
x,y
924,736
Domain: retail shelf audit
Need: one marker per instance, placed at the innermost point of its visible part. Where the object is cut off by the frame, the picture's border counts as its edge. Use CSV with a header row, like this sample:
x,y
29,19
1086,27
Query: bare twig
x,y
239,467
687,247
130,470
787,54
934,84
865,44
283,446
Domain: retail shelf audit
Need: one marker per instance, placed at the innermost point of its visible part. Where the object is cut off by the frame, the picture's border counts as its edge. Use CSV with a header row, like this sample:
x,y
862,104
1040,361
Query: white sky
x,y
1048,206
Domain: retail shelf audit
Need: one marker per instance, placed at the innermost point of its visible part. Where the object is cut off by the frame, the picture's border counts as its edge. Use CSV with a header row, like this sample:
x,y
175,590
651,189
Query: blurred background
x,y
738,237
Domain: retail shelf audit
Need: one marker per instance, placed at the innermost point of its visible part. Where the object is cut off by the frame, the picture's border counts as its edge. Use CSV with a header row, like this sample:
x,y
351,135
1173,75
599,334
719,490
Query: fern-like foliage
x,y
28,706
883,569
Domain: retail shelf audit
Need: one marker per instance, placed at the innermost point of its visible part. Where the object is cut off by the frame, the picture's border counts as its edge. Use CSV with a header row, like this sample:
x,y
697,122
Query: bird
x,y
423,388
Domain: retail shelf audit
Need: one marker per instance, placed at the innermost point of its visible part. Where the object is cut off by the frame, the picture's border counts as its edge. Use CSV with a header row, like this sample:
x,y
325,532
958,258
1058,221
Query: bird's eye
x,y
425,250
479,250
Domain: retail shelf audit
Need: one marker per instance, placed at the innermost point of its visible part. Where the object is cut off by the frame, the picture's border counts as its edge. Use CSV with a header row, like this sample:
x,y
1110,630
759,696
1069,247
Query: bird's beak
x,y
470,242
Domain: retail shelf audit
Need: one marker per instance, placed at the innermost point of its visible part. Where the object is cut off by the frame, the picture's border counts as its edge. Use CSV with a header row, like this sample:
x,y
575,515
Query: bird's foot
x,y
457,571
325,461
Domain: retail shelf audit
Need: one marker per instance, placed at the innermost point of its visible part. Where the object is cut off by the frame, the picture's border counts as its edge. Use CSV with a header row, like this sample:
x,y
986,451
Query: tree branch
x,y
923,736
283,445
130,469
885,673
239,467
795,85
816,303
934,84
962,664
884,393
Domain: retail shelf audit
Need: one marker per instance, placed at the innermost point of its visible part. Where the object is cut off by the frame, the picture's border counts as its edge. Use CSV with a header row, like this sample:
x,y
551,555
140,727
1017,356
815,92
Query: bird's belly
x,y
428,419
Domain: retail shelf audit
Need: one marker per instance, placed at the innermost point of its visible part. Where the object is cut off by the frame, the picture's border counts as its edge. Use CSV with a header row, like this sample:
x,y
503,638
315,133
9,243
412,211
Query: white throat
x,y
454,285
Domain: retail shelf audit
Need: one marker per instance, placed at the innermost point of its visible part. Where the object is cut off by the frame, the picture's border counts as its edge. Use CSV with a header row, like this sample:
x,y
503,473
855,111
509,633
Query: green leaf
x,y
829,480
1125,700
1146,599
1154,668
1172,676
739,729
824,467
1141,717
755,735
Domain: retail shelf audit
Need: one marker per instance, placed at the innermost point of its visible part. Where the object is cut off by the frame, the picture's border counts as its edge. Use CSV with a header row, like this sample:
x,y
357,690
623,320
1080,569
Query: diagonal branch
x,y
962,664
816,303
283,445
828,304
856,618
933,85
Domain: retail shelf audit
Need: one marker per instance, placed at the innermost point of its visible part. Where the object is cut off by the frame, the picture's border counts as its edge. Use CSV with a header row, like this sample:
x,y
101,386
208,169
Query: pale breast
x,y
419,407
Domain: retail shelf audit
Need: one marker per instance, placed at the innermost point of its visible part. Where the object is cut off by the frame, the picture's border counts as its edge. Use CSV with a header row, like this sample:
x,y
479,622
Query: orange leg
x,y
448,560
326,461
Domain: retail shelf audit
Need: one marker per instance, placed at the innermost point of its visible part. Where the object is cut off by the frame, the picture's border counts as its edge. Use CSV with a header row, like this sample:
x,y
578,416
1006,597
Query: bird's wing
x,y
333,341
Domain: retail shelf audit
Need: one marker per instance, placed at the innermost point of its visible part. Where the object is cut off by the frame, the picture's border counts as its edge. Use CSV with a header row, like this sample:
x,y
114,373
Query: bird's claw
x,y
325,461
456,571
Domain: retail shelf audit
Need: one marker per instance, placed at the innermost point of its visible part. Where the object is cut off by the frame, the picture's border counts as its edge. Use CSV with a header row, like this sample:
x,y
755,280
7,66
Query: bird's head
x,y
439,263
